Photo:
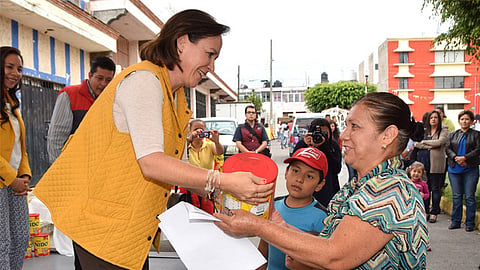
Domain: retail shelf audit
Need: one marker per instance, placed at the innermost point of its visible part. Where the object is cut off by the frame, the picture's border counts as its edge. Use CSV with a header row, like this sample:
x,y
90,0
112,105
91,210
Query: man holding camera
x,y
251,136
320,136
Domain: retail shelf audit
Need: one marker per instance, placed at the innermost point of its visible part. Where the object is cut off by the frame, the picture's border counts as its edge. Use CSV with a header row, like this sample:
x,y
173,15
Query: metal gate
x,y
37,102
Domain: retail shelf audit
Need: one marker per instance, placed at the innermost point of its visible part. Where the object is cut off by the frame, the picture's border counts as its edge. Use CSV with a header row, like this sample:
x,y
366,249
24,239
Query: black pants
x,y
435,183
89,261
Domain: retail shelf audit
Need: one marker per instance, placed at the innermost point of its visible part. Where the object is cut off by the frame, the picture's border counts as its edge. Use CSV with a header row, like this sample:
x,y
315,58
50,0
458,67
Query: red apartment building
x,y
425,75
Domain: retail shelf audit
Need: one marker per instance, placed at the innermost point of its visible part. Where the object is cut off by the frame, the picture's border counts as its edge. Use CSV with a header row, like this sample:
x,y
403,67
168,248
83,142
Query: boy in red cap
x,y
305,174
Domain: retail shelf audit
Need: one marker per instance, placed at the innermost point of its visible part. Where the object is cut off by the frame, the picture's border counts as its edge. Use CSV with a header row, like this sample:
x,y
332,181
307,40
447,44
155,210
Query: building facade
x,y
425,75
286,102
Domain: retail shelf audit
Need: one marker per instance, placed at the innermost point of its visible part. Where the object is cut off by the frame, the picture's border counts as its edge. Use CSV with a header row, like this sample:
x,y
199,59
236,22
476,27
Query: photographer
x,y
203,146
320,136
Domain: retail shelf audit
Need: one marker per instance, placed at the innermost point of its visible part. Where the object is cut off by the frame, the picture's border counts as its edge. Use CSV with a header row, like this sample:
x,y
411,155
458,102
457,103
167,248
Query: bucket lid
x,y
258,164
34,214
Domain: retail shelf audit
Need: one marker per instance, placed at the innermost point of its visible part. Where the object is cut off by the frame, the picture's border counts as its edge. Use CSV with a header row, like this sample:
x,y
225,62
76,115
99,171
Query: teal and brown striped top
x,y
386,198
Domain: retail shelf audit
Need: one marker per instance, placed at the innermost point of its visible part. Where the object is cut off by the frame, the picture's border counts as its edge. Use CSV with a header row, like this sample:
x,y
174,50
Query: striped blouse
x,y
386,199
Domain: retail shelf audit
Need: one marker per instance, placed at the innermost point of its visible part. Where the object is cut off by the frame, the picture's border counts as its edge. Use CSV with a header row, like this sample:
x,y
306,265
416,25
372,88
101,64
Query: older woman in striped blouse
x,y
377,220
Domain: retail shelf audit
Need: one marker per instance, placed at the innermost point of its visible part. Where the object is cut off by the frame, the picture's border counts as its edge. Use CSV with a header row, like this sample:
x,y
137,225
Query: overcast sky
x,y
309,36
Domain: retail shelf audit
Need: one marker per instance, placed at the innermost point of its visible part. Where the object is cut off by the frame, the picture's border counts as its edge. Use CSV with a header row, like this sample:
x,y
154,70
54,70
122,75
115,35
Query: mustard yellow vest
x,y
7,140
95,190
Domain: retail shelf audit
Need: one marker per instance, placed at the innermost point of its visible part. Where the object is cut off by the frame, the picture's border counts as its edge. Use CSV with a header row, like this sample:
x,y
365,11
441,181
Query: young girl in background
x,y
417,173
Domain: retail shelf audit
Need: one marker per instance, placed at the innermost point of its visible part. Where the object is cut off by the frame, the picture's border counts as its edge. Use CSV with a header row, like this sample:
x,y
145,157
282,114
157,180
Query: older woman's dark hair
x,y
387,109
4,51
468,112
196,24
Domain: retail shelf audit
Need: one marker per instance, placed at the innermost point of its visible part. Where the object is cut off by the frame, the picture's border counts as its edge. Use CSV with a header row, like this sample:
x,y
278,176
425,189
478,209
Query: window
x,y
201,105
213,107
449,82
455,106
403,57
296,96
265,96
187,96
449,56
277,97
402,83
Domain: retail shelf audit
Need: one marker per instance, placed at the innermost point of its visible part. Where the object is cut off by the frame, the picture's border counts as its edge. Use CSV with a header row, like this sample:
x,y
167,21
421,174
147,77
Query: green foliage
x,y
257,101
465,29
343,94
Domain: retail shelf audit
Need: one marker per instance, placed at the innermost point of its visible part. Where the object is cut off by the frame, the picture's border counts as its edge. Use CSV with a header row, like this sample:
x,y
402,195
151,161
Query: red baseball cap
x,y
312,157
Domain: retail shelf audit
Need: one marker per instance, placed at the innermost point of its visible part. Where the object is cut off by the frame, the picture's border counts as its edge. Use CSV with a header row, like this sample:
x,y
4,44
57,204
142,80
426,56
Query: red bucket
x,y
259,165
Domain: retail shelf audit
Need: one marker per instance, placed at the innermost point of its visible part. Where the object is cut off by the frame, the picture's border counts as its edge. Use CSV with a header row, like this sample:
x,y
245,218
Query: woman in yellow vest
x,y
15,171
115,173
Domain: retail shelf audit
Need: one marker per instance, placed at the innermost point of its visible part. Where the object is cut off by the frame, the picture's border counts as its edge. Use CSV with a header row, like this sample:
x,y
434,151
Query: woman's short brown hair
x,y
197,24
467,112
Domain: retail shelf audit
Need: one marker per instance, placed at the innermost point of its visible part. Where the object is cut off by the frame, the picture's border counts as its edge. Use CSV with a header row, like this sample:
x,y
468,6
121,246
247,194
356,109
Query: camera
x,y
318,135
205,134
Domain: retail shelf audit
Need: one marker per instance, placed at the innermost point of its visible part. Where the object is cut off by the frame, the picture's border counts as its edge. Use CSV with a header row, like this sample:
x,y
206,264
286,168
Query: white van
x,y
300,125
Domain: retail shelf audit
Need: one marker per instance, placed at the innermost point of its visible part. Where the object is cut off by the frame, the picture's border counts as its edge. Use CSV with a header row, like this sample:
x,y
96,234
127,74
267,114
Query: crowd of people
x,y
114,167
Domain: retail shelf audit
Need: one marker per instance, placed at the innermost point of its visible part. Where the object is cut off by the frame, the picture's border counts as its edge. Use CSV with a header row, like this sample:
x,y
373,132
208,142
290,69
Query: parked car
x,y
226,127
300,125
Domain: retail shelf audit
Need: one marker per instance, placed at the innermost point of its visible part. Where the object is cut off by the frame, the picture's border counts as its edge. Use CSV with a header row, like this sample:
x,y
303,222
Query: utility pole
x,y
366,84
238,83
271,85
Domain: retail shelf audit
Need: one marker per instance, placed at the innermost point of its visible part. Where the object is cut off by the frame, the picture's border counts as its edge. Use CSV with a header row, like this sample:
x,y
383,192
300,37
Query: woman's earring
x,y
384,147
180,51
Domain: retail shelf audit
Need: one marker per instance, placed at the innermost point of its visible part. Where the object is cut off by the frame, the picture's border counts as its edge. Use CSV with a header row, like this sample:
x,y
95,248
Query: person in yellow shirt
x,y
202,148
445,121
268,129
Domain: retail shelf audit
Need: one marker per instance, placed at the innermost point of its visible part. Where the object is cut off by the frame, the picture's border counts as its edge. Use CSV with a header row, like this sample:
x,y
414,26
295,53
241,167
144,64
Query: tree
x,y
257,102
465,29
343,94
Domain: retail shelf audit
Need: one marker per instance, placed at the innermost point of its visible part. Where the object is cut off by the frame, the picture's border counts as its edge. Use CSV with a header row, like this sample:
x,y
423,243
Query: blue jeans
x,y
465,183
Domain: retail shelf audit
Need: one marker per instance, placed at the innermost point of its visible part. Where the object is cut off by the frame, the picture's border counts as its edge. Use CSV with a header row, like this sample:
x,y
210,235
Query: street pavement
x,y
451,249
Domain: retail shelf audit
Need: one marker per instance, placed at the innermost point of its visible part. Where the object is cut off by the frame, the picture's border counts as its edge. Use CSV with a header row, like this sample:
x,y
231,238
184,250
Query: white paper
x,y
200,244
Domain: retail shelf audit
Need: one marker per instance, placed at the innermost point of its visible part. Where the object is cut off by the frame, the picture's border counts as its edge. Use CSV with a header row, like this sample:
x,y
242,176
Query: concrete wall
x,y
44,58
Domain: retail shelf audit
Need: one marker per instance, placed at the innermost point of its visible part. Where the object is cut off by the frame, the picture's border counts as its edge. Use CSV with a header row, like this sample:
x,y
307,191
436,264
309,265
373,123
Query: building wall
x,y
422,69
473,83
43,55
371,69
382,85
422,82
5,32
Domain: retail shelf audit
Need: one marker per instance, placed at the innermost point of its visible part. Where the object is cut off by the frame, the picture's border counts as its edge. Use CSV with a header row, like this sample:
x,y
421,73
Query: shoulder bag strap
x,y
247,126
